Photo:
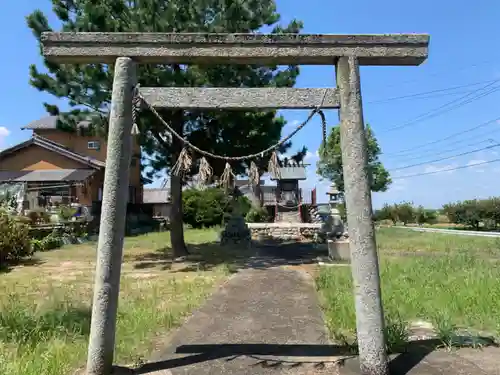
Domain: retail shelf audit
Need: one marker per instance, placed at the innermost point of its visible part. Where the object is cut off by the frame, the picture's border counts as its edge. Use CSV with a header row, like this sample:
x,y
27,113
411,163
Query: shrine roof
x,y
290,173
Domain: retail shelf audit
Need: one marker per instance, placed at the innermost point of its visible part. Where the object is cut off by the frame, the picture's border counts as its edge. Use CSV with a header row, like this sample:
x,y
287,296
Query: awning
x,y
66,175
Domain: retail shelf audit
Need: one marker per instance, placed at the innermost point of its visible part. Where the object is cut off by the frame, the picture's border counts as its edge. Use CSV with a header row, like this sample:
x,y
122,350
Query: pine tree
x,y
88,87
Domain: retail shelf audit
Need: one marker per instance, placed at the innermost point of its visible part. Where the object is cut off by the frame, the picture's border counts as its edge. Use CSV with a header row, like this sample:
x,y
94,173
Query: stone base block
x,y
338,250
285,231
236,232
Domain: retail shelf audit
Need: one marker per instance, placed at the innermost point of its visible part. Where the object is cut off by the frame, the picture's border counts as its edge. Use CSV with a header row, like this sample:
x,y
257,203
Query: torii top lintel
x,y
198,48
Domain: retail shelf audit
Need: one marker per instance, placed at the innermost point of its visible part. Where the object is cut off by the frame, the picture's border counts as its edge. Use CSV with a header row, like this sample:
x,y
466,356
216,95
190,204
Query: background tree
x,y
87,88
477,214
387,212
425,216
330,163
405,212
470,213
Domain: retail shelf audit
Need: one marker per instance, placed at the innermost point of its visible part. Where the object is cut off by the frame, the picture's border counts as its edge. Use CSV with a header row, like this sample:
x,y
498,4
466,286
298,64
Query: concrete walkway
x,y
262,321
452,231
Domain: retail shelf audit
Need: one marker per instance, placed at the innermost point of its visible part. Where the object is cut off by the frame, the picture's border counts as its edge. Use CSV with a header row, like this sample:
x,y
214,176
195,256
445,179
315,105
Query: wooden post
x,y
112,227
364,259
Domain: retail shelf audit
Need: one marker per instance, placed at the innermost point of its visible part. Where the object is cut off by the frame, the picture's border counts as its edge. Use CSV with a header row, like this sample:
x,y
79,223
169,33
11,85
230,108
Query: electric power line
x,y
437,73
451,136
416,154
446,158
445,90
447,170
456,103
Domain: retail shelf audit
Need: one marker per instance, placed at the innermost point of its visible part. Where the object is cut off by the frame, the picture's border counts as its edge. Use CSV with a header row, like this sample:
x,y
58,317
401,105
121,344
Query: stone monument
x,y
236,231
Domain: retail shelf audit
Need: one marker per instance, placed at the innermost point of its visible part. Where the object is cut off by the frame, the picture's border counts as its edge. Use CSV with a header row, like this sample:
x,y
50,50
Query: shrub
x,y
386,213
8,201
209,207
425,216
14,239
66,212
39,216
50,242
257,215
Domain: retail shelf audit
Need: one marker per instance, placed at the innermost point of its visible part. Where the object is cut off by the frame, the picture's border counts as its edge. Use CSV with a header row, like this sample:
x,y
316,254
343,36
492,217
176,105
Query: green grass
x,y
45,308
455,286
406,240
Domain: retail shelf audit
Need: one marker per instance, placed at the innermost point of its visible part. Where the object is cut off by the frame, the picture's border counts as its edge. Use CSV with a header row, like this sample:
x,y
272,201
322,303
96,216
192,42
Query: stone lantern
x,y
334,200
334,194
338,246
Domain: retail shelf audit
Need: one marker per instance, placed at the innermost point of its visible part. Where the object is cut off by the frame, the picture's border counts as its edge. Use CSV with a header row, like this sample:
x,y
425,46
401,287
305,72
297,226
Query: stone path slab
x,y
430,361
260,322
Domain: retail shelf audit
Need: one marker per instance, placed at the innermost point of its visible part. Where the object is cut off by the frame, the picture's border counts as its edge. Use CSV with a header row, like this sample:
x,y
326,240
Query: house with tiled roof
x,y
58,163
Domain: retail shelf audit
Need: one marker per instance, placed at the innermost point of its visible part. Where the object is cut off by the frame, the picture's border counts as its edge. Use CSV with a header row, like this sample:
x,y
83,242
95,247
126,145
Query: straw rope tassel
x,y
274,165
183,163
253,174
205,171
227,176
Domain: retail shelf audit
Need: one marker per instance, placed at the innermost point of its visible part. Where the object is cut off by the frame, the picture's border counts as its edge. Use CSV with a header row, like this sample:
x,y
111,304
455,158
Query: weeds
x,y
22,324
445,329
458,288
396,333
45,309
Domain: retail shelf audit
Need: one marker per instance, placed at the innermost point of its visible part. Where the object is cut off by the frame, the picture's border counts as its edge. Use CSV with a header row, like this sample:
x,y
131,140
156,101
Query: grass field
x,y
451,281
45,306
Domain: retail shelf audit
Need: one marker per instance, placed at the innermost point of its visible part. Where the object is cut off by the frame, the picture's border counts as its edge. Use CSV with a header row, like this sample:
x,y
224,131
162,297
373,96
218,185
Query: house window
x,y
94,145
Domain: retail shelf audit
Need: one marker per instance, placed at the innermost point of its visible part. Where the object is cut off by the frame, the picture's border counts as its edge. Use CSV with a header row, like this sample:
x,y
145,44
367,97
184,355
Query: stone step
x,y
288,217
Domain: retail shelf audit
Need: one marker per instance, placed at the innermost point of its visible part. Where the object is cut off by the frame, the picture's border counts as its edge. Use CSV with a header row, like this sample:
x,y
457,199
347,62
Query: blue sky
x,y
464,53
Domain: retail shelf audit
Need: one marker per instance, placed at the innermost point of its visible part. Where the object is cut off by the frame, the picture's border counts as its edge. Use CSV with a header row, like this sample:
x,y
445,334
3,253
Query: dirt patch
x,y
311,269
69,276
142,275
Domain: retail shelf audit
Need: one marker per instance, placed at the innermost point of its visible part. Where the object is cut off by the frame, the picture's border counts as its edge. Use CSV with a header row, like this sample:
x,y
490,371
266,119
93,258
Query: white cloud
x,y
291,125
4,132
311,155
398,185
475,161
441,168
478,169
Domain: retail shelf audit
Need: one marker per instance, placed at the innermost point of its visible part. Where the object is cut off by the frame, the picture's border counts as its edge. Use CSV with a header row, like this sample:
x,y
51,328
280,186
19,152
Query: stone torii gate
x,y
346,52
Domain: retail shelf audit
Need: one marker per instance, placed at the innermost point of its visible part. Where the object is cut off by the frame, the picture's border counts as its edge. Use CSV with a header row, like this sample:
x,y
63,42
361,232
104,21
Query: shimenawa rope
x,y
184,161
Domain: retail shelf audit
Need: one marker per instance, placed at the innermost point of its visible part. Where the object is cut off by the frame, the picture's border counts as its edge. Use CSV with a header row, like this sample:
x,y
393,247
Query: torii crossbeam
x,y
346,52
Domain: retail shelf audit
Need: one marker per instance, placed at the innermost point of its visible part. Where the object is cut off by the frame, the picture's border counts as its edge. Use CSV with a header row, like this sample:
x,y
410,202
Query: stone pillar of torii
x,y
345,52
